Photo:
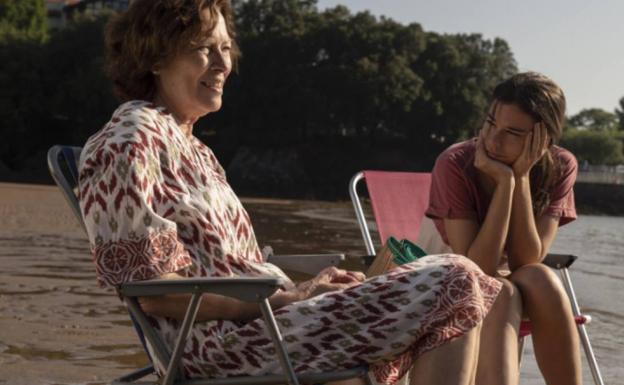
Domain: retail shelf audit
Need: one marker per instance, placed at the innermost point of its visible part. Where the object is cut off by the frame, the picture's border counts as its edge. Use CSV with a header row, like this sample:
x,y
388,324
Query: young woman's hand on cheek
x,y
492,167
535,146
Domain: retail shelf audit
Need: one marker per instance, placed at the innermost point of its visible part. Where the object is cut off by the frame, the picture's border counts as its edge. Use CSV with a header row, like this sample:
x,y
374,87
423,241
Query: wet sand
x,y
58,327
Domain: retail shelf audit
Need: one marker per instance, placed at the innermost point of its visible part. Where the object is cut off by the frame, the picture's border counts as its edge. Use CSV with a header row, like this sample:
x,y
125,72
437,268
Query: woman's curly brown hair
x,y
149,33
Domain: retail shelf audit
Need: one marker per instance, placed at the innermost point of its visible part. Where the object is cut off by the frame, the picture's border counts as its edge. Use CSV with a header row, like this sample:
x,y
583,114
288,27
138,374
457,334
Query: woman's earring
x,y
155,72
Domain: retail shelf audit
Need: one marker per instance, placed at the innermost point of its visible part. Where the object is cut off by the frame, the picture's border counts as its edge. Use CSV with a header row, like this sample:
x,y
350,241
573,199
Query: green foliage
x,y
52,93
333,86
594,119
460,73
310,75
619,112
23,20
595,147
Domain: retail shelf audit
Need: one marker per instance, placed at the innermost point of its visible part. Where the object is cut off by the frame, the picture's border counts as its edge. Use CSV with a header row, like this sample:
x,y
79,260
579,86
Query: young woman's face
x,y
191,84
506,129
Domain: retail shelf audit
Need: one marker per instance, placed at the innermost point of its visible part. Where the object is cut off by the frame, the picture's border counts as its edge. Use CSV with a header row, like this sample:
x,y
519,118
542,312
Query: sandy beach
x,y
57,327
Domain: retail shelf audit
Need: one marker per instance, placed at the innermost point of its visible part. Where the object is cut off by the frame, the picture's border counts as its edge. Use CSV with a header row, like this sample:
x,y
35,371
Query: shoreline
x,y
605,200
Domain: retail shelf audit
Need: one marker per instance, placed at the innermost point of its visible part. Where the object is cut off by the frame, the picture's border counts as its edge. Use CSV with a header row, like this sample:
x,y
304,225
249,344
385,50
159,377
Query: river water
x,y
57,327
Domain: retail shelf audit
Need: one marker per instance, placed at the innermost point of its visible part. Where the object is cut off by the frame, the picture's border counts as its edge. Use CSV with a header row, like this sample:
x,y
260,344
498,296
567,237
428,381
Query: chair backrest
x,y
399,201
63,166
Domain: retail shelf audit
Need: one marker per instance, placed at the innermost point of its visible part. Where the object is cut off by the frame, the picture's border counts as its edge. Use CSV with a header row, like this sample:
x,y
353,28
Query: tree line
x,y
596,136
317,96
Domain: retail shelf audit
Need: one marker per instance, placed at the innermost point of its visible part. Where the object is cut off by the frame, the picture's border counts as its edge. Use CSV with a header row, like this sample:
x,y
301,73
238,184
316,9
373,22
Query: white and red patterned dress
x,y
156,201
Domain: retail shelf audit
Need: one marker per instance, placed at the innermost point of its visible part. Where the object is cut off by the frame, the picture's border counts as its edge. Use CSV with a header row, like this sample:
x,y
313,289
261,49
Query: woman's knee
x,y
509,289
537,281
505,314
509,296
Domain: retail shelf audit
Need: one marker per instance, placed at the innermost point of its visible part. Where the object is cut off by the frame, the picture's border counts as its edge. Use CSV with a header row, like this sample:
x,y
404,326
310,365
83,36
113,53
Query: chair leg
x,y
589,352
521,342
282,354
189,319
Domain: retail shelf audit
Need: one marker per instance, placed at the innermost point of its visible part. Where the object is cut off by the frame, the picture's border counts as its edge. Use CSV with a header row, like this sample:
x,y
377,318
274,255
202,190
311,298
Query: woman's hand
x,y
535,146
499,171
329,279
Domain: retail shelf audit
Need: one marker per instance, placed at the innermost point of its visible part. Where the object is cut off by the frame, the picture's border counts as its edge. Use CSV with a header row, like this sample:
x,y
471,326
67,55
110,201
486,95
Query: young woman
x,y
499,199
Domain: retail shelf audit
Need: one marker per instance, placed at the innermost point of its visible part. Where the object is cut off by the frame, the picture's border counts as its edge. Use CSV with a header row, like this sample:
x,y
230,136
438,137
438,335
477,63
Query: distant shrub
x,y
595,147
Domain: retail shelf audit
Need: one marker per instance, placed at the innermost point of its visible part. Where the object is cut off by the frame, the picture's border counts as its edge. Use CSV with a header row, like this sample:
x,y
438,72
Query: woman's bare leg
x,y
453,363
498,355
554,335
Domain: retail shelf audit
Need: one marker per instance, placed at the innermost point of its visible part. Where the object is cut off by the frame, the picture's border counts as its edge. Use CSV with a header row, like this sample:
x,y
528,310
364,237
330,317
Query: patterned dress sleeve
x,y
562,194
121,178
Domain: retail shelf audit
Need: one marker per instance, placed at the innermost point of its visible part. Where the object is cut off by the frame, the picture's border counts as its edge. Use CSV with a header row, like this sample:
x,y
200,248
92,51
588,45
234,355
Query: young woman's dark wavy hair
x,y
149,33
542,99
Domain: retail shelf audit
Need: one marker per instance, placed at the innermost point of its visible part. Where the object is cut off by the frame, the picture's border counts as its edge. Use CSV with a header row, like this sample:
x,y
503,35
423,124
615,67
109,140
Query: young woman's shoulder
x,y
460,155
566,159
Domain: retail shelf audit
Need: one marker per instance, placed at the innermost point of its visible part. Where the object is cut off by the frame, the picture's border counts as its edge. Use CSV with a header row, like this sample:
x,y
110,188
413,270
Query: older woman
x,y
157,204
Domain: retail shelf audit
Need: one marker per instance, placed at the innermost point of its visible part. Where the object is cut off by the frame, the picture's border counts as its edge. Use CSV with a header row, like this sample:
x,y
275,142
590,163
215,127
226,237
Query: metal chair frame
x,y
559,262
62,163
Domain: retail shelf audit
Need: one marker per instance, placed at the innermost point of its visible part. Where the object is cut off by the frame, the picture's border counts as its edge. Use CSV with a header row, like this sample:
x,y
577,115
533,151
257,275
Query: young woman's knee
x,y
509,290
509,296
537,280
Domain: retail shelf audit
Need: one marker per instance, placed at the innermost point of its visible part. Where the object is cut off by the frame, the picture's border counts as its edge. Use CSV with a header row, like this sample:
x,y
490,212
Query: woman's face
x,y
191,84
506,129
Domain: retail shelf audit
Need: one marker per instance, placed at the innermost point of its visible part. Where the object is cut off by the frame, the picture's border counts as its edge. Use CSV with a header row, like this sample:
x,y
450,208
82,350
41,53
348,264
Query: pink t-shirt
x,y
455,193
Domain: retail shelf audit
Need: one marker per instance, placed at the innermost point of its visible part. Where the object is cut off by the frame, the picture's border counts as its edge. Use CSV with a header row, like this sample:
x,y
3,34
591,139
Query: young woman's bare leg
x,y
453,363
554,335
498,355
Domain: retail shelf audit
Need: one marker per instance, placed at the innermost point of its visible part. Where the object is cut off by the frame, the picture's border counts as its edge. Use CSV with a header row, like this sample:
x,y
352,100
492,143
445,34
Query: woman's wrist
x,y
521,182
300,293
521,174
506,179
284,298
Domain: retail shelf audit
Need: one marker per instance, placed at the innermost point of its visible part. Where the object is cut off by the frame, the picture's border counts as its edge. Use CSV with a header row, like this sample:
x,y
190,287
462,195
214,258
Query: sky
x,y
577,43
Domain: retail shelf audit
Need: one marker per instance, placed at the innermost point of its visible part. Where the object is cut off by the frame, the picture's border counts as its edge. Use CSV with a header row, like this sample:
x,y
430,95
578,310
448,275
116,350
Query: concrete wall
x,y
602,177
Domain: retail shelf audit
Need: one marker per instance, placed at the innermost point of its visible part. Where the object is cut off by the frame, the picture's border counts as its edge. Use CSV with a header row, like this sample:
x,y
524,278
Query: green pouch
x,y
404,251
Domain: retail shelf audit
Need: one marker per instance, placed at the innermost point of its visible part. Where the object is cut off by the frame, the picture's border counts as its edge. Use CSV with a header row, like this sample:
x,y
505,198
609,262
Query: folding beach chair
x,y
399,201
62,162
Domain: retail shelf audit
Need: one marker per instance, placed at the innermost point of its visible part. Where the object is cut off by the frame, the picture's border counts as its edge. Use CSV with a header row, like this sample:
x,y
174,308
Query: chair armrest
x,y
306,263
366,260
559,261
244,288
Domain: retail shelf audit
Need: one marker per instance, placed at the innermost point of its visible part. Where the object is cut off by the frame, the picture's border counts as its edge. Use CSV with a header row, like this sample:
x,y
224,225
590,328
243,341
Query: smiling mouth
x,y
214,86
